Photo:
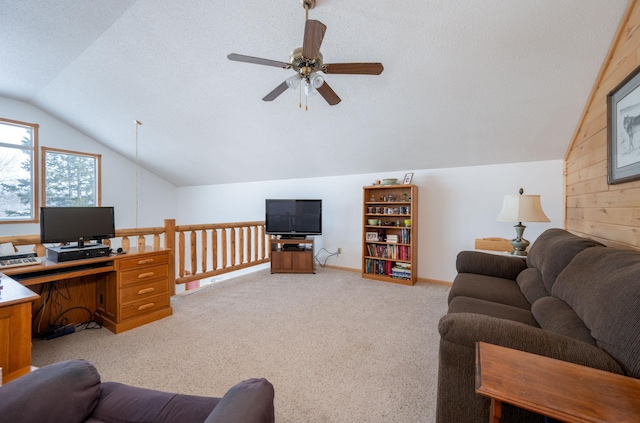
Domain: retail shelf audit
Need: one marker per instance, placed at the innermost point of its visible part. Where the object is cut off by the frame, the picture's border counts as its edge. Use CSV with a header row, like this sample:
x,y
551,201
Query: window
x,y
70,178
18,170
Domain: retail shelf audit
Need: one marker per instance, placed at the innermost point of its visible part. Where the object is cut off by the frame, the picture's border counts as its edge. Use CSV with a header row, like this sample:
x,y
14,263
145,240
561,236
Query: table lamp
x,y
521,208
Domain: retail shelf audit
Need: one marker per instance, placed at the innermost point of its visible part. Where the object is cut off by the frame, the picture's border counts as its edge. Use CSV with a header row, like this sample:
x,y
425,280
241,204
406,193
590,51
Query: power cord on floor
x,y
326,258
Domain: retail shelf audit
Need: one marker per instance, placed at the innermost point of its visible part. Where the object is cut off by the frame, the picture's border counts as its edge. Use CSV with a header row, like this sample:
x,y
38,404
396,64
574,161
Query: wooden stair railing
x,y
214,249
219,248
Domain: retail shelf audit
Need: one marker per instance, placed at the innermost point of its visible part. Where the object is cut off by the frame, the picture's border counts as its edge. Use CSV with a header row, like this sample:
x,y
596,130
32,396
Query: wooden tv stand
x,y
292,255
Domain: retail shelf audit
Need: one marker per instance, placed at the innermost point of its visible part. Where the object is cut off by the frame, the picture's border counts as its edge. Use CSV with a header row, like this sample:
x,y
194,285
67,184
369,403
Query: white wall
x,y
456,206
157,198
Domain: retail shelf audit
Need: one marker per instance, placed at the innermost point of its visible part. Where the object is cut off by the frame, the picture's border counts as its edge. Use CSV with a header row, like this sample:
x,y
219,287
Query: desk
x,y
127,290
15,325
554,388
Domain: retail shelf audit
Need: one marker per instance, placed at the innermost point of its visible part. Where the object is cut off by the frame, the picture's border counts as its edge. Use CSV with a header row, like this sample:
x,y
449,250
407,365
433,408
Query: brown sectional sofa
x,y
573,299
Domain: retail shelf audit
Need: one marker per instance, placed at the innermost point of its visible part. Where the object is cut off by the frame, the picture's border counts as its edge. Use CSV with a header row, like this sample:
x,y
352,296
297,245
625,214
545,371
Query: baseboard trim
x,y
425,280
435,281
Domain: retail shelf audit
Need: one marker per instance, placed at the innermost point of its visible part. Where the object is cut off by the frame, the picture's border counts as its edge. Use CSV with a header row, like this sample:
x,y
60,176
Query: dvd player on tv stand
x,y
62,254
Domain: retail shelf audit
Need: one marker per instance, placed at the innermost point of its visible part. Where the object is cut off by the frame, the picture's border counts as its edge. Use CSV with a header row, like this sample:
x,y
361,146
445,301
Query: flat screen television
x,y
76,225
293,218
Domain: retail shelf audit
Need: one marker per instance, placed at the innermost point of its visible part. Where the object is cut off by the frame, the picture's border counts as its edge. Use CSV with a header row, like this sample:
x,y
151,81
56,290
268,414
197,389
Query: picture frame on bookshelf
x,y
408,178
371,236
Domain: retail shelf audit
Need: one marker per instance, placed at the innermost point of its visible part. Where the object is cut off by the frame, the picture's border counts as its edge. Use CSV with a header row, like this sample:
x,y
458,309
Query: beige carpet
x,y
337,348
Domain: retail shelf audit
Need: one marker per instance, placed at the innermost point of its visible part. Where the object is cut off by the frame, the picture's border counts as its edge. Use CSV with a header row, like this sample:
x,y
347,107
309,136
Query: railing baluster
x,y
233,246
203,250
241,245
181,252
249,244
224,249
214,249
193,254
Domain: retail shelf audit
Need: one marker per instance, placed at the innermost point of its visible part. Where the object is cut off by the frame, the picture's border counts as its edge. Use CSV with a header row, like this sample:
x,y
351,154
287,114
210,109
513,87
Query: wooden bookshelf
x,y
389,233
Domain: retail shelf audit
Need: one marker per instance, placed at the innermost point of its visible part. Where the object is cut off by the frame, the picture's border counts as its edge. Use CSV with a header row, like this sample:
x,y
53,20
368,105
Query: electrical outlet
x,y
339,250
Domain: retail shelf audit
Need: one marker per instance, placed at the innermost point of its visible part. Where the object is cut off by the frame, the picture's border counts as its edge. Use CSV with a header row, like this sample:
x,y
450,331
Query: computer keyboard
x,y
25,261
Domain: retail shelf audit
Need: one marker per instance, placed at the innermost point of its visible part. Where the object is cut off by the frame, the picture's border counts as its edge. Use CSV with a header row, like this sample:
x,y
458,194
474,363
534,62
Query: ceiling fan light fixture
x,y
316,80
309,89
293,82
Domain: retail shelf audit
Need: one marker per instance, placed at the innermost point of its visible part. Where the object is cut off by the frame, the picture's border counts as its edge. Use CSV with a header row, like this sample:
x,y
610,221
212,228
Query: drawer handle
x,y
146,275
146,306
146,291
146,261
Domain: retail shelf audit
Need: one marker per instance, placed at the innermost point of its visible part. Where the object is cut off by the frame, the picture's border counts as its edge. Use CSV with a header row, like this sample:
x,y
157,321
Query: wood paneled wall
x,y
607,213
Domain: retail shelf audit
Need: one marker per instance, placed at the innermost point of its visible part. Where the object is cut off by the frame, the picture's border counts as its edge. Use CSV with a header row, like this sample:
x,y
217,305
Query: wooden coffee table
x,y
554,388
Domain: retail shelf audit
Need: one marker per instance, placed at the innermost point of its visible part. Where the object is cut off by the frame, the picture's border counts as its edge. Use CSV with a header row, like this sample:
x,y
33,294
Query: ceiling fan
x,y
306,61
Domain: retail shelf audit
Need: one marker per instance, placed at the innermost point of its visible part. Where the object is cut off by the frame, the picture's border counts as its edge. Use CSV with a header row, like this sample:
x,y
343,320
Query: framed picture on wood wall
x,y
623,130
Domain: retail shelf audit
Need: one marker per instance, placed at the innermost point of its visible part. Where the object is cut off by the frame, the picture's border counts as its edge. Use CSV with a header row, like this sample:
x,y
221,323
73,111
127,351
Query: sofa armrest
x,y
250,401
487,264
66,391
466,329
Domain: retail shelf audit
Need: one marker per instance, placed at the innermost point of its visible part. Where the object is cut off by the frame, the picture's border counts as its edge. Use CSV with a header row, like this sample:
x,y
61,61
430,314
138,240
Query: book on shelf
x,y
401,271
393,252
378,267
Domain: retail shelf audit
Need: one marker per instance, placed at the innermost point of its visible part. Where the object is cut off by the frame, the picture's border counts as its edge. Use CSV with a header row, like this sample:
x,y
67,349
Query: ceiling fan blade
x,y
327,92
257,61
354,68
276,92
313,35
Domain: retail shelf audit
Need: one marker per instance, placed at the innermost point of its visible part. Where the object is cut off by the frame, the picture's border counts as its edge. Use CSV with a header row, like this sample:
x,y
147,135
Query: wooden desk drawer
x,y
143,291
147,273
142,261
144,306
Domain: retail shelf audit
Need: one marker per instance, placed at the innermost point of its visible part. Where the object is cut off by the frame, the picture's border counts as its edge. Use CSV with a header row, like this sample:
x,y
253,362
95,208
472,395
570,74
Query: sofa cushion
x,y
131,404
553,250
602,285
496,265
556,316
497,290
488,308
66,392
531,284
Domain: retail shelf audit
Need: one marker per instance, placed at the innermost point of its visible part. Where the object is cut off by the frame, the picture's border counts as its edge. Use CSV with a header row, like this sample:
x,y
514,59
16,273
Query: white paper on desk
x,y
7,249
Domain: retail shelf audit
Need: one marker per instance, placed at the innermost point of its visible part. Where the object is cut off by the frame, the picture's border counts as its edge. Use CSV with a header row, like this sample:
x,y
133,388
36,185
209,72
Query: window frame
x,y
43,173
35,216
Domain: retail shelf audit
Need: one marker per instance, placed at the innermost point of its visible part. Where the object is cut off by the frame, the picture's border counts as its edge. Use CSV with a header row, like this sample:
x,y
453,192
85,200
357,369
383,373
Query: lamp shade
x,y
522,208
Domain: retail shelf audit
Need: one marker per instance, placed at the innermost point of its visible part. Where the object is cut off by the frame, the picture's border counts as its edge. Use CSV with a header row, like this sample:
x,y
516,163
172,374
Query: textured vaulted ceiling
x,y
466,82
